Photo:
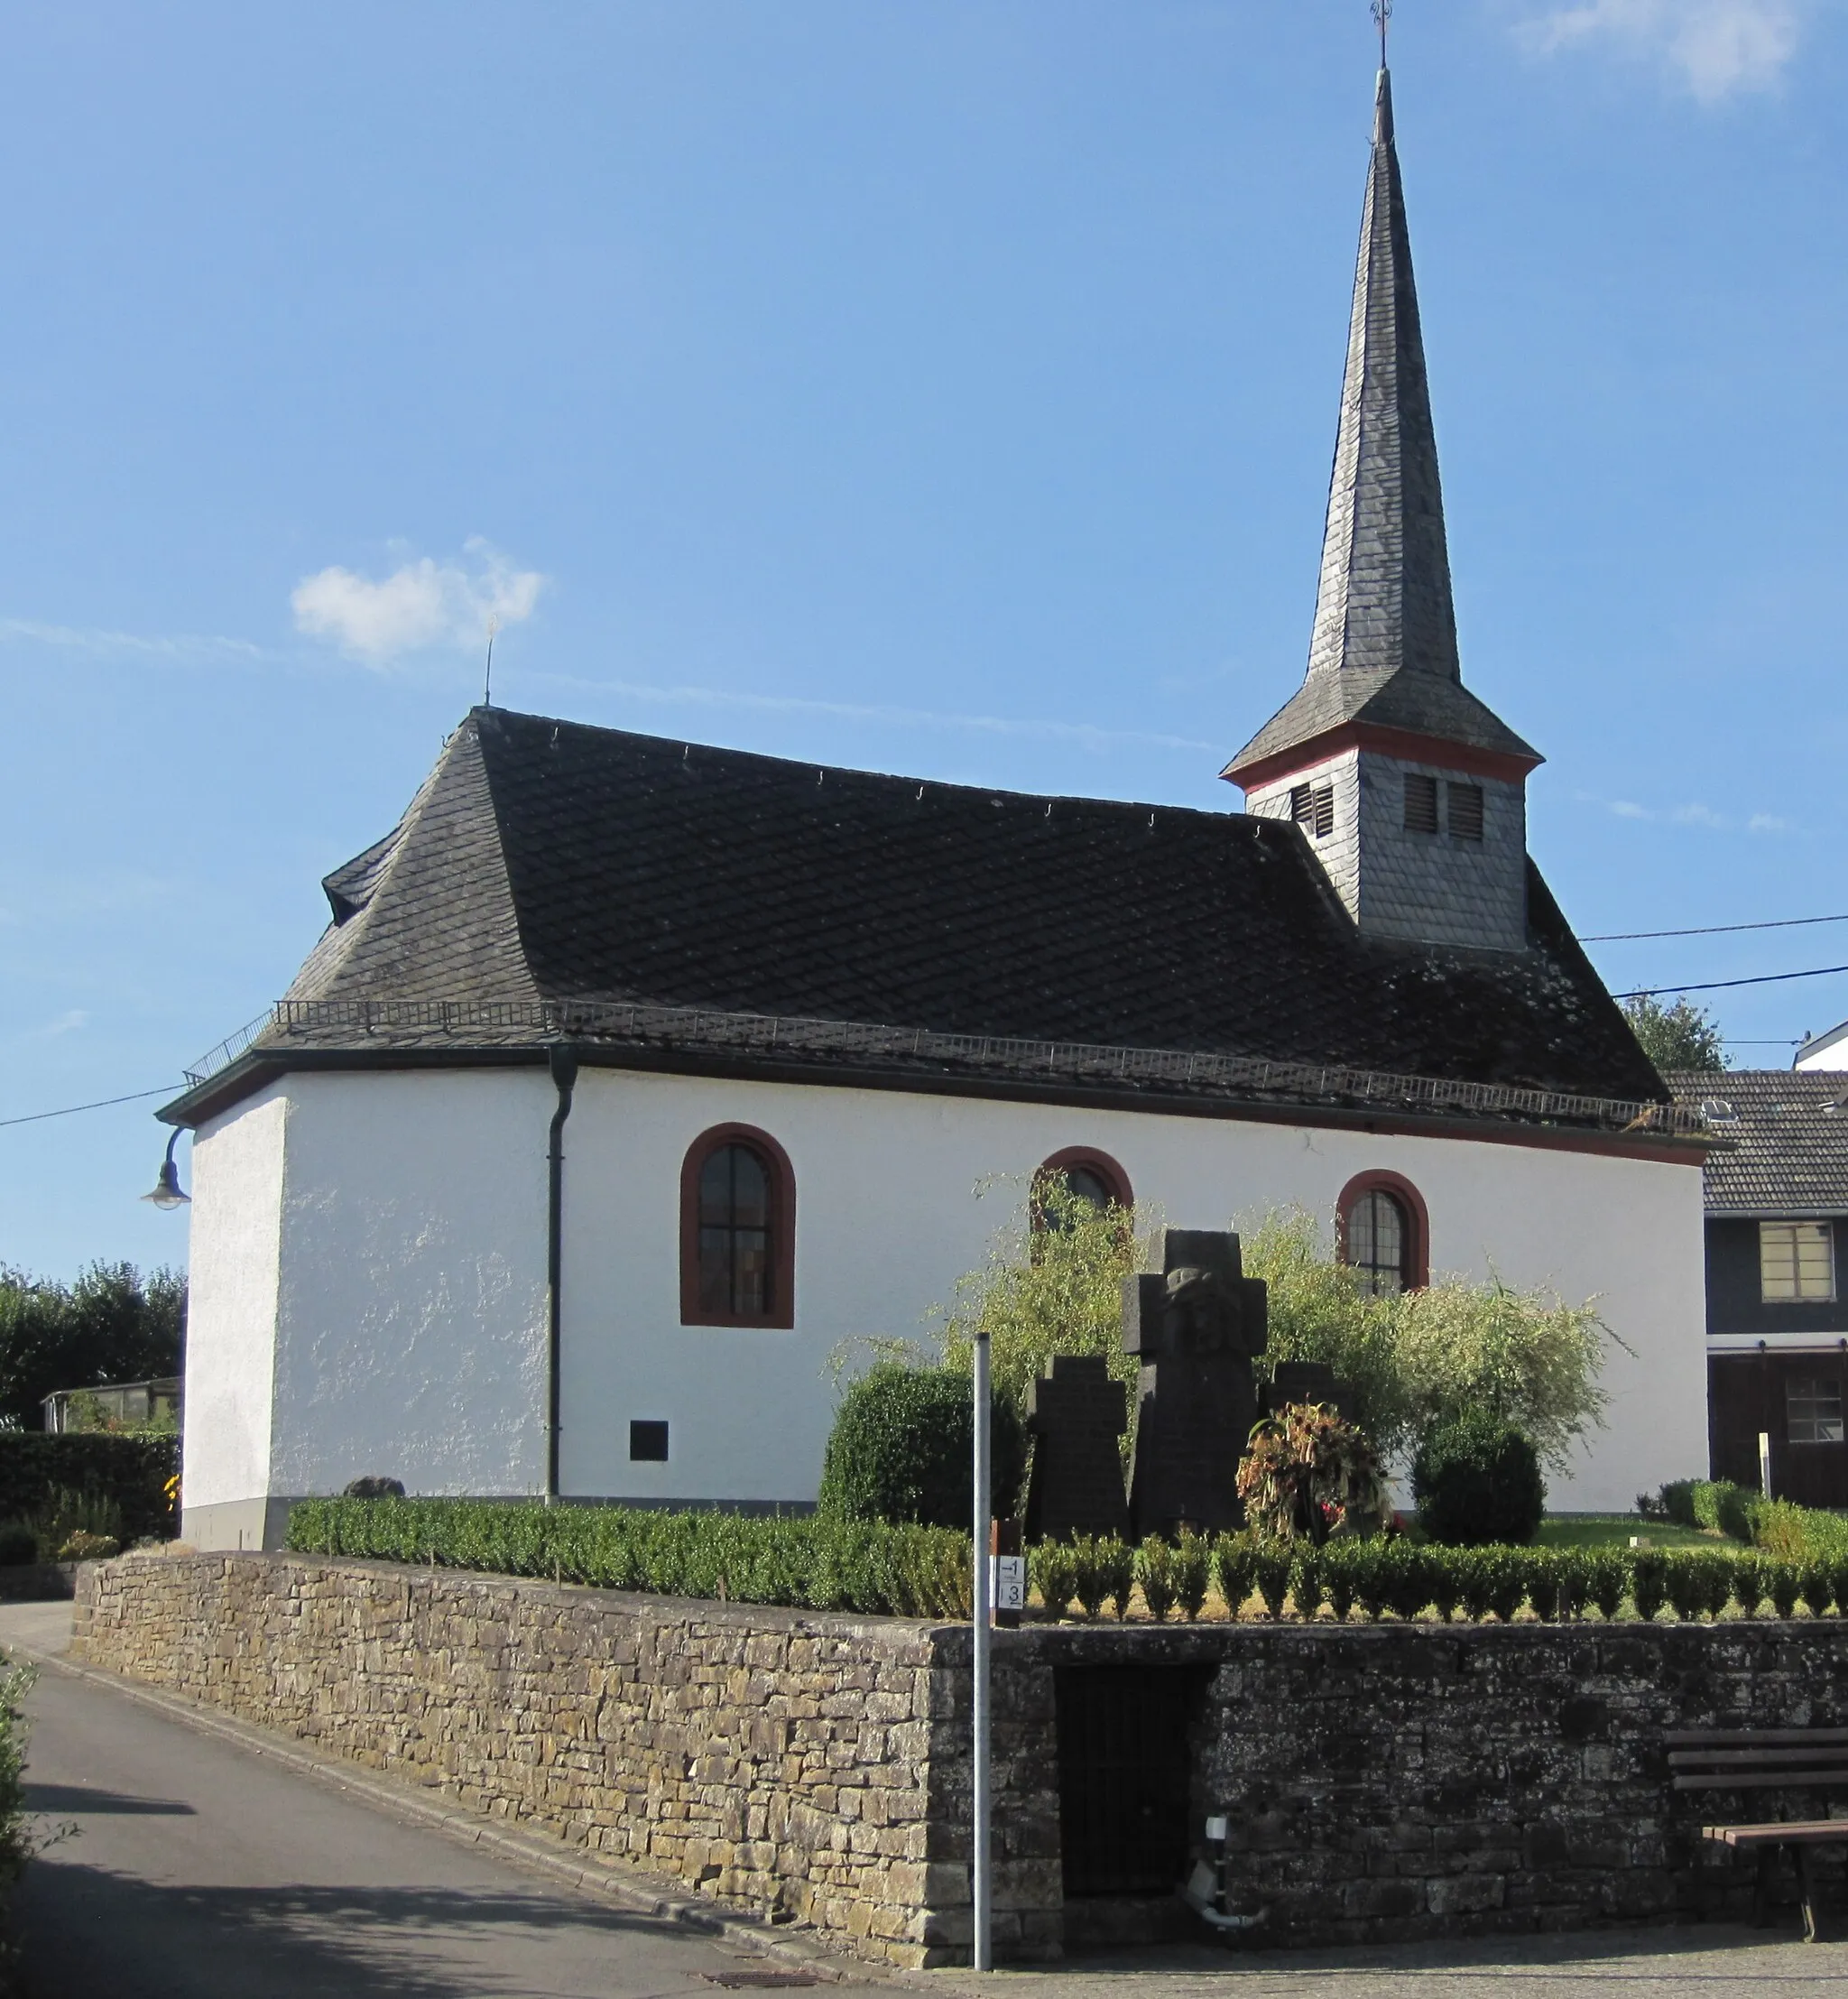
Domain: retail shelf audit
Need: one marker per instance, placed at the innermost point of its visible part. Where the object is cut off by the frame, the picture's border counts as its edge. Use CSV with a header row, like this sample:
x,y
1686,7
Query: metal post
x,y
1764,1462
984,1956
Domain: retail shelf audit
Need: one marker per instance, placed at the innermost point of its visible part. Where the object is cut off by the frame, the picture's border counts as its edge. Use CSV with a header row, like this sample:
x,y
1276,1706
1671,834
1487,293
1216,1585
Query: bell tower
x,y
1409,791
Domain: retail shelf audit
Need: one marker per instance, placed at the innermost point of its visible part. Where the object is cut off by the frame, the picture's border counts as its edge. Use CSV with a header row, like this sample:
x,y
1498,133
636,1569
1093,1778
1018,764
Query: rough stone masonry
x,y
1384,1783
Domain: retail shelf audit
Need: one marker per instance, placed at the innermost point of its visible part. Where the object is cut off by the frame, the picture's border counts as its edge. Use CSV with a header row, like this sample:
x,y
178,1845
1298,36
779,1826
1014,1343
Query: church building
x,y
632,1078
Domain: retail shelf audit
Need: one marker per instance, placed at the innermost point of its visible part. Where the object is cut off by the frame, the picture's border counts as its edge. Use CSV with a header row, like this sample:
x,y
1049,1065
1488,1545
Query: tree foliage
x,y
1683,1036
112,1325
1057,1289
1425,1357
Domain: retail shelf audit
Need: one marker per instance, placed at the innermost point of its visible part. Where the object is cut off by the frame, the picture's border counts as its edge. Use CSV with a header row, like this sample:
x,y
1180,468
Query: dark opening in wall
x,y
1421,803
1125,1776
648,1443
1465,803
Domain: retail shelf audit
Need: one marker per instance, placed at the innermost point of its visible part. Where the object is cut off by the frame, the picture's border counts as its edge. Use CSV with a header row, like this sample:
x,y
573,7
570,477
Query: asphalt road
x,y
197,1870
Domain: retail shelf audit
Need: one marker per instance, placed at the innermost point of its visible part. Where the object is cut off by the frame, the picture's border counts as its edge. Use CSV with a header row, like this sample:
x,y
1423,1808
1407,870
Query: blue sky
x,y
942,389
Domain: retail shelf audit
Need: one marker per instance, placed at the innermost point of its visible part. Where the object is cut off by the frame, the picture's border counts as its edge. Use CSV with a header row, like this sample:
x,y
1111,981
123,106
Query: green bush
x,y
1817,1587
1607,1579
1155,1570
902,1450
1335,1570
1677,1502
870,1566
1270,1572
1648,1582
1306,1589
1192,1571
1543,1578
1373,1579
1477,1481
1116,1572
1719,1504
1054,1568
129,1473
1785,1587
1235,1570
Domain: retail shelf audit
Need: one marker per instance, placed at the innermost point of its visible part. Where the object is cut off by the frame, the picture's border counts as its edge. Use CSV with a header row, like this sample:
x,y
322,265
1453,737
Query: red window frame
x,y
1418,1222
1106,1169
780,1178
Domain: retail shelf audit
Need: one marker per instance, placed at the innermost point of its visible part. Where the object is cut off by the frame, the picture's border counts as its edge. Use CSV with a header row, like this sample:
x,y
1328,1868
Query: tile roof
x,y
549,862
1383,649
1788,1152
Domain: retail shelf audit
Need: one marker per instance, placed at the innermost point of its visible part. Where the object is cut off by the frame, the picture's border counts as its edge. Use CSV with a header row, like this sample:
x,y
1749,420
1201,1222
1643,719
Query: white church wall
x,y
237,1215
887,1217
412,1303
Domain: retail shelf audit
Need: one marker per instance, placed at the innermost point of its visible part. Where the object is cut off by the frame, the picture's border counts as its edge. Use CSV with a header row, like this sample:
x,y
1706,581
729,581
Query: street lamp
x,y
166,1190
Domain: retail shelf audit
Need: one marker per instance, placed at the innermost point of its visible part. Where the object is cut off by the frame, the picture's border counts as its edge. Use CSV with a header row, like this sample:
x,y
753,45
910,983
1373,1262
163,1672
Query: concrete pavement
x,y
207,1864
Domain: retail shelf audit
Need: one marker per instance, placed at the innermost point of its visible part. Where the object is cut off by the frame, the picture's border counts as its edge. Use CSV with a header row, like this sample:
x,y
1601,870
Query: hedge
x,y
804,1562
877,1570
1778,1527
132,1471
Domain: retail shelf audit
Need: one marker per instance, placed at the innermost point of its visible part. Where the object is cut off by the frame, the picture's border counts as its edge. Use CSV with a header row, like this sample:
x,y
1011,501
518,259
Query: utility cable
x,y
1713,929
1719,985
102,1103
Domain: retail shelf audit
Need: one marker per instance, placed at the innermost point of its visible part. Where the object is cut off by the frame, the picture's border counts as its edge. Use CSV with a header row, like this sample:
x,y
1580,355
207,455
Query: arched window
x,y
737,1230
1383,1234
1093,1176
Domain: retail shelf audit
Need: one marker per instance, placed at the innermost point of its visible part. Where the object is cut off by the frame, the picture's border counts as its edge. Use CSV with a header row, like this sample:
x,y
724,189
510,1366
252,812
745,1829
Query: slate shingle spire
x,y
1385,691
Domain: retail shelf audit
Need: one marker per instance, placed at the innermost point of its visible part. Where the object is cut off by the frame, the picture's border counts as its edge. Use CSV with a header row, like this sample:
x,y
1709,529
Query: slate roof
x,y
1383,649
548,863
1788,1140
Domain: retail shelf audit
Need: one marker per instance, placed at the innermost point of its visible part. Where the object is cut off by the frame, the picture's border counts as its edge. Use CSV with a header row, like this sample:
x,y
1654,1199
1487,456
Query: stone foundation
x,y
1384,1783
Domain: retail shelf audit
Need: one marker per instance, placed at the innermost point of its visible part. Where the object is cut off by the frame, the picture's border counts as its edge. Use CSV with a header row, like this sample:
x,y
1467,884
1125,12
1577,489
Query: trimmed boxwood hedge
x,y
132,1471
804,1562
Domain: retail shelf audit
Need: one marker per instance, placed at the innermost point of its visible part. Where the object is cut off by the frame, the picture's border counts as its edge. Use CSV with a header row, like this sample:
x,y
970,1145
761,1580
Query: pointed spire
x,y
1384,647
1384,601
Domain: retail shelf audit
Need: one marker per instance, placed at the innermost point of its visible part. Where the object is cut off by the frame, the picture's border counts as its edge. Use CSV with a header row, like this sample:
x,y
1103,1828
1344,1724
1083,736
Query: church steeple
x,y
1384,697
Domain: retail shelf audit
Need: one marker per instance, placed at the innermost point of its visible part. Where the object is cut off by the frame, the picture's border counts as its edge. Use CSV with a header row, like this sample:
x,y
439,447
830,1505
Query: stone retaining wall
x,y
1384,1783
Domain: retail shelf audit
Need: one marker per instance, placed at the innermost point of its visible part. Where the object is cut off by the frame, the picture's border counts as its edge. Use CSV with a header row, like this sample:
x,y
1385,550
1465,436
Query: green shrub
x,y
1335,1570
868,1567
1648,1582
1192,1572
1234,1569
1271,1575
1607,1579
1817,1587
1305,1581
1445,1585
1054,1568
127,1474
1477,1575
1542,1579
1308,1474
1677,1502
1722,1575
1719,1504
1576,1574
1155,1572
1785,1585
1684,1581
1507,1569
83,1546
1373,1579
1751,1583
1408,1577
1477,1481
1116,1571
902,1449
17,1840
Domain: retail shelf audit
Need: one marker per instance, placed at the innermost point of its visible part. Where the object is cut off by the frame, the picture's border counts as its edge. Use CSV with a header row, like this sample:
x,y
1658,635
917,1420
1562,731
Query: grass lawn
x,y
1614,1529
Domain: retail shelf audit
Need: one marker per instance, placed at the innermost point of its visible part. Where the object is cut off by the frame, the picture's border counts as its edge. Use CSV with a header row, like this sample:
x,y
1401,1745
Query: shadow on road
x,y
86,1798
86,1931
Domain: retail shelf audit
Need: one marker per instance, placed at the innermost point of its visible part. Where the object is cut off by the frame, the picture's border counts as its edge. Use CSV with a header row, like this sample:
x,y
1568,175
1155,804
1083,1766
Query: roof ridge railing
x,y
636,1023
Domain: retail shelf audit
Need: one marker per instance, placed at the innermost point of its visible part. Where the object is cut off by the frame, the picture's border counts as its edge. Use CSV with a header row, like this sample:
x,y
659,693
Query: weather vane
x,y
1382,16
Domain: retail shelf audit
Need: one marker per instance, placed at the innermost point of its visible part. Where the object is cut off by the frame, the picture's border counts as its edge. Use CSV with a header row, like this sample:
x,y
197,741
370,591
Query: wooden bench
x,y
1767,1759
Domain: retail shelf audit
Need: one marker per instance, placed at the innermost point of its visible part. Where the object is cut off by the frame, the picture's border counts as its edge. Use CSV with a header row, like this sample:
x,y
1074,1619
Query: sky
x,y
943,390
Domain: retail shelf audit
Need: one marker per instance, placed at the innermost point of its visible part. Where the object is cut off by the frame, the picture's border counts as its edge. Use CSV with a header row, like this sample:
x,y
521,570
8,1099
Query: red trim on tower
x,y
1404,744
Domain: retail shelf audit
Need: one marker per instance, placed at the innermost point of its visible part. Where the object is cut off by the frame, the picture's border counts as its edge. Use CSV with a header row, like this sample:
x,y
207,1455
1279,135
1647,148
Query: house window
x,y
1312,807
1382,1232
1813,1408
1093,1176
737,1230
648,1443
1421,803
1796,1263
1465,810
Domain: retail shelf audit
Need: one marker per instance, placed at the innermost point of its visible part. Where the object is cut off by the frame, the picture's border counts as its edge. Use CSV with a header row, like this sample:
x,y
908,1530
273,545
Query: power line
x,y
1713,929
102,1103
1719,985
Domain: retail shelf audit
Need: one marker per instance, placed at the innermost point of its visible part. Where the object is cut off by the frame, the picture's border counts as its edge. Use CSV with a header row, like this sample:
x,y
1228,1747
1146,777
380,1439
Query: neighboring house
x,y
632,1079
114,1404
1777,1238
1826,1051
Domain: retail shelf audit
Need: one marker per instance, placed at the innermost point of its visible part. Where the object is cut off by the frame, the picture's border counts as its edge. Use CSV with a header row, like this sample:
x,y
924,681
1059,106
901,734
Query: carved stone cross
x,y
1076,1413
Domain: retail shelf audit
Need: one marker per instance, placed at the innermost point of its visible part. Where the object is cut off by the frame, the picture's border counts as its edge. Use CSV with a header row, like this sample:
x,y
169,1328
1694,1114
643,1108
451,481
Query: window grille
x,y
1796,1263
1377,1239
1813,1408
1421,803
734,1272
1465,803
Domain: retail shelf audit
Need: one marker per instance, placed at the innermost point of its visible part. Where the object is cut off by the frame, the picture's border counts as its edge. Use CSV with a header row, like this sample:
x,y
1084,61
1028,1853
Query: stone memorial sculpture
x,y
1075,1414
1197,1322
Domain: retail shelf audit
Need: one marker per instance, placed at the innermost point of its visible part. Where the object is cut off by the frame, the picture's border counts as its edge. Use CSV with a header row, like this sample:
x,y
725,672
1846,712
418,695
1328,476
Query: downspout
x,y
563,1072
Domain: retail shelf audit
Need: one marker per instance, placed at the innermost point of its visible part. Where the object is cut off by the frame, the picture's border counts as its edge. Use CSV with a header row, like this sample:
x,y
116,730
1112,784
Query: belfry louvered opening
x,y
1421,803
1465,813
1312,807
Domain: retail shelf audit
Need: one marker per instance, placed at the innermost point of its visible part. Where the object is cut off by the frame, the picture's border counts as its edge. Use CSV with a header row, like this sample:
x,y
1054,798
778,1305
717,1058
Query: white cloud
x,y
194,647
1696,814
1715,47
420,604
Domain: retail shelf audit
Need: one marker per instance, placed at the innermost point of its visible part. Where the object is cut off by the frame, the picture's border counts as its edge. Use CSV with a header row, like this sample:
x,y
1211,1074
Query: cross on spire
x,y
1382,17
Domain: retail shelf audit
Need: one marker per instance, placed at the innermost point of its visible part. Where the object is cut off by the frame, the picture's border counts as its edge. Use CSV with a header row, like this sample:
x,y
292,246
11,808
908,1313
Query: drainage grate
x,y
760,1981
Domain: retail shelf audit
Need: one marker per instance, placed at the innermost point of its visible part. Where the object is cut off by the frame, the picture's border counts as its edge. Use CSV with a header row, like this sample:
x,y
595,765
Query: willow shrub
x,y
808,1562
